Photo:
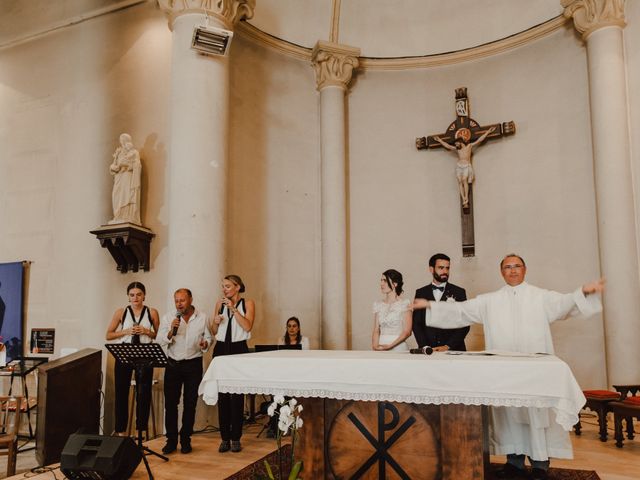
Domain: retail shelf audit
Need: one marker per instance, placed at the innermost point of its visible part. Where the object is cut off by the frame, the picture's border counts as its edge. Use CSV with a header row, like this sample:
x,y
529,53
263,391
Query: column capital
x,y
334,64
228,12
591,15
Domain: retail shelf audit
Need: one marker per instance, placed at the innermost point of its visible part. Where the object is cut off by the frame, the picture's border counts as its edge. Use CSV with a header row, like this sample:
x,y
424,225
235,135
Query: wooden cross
x,y
465,133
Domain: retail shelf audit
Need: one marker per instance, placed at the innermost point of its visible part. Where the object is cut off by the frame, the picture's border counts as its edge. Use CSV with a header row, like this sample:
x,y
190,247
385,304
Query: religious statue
x,y
126,170
464,168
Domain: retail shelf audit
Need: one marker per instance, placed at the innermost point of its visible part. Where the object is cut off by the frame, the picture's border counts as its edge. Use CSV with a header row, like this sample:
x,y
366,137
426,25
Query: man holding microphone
x,y
185,337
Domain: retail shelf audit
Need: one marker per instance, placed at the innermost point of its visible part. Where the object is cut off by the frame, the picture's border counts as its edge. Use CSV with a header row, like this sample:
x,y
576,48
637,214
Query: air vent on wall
x,y
211,40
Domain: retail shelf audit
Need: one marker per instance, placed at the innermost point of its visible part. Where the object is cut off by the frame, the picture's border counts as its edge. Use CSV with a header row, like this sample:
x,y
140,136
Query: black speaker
x,y
99,457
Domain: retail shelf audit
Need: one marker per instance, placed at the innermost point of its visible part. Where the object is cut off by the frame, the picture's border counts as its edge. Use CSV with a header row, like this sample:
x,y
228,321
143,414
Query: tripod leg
x,y
151,452
146,464
145,450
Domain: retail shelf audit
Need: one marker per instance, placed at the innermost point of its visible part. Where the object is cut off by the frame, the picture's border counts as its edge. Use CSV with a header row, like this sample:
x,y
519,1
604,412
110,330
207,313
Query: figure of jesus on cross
x,y
464,168
462,136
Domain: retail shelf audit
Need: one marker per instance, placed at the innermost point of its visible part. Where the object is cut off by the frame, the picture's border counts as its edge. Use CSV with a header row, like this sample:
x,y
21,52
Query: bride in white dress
x,y
391,315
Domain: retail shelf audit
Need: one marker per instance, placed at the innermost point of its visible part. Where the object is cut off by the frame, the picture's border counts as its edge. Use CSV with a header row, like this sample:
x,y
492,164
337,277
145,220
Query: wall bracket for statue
x,y
128,244
127,240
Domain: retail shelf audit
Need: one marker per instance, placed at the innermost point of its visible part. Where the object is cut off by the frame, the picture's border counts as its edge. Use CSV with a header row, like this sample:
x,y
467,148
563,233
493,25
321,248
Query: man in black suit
x,y
440,339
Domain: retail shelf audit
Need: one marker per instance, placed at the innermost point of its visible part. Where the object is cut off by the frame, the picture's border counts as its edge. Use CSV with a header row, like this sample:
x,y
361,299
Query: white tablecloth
x,y
544,381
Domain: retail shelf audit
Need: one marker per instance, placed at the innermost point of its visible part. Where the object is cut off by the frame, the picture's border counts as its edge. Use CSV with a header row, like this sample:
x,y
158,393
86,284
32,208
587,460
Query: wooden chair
x,y
10,414
598,401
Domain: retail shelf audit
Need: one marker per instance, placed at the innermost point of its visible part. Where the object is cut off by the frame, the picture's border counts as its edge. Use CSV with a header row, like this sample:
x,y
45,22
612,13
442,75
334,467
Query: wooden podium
x,y
68,400
388,440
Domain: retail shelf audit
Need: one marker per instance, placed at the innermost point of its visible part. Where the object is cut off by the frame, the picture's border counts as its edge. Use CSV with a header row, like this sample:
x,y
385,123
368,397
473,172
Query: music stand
x,y
272,347
140,356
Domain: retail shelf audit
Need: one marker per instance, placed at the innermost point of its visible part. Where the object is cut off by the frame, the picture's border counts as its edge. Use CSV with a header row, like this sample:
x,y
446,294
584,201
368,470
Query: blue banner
x,y
11,278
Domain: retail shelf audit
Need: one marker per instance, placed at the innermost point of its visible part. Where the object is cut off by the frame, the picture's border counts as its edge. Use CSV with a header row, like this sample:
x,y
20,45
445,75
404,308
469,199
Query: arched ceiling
x,y
400,28
379,28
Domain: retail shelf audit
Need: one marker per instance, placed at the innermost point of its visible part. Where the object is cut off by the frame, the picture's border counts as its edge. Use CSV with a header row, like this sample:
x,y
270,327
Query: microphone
x,y
174,332
426,350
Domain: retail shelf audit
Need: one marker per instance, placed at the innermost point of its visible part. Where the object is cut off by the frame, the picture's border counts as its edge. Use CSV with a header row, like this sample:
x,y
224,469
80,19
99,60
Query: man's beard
x,y
440,278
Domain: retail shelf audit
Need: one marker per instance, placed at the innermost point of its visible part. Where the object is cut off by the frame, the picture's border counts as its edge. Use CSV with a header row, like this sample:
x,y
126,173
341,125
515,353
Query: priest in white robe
x,y
517,318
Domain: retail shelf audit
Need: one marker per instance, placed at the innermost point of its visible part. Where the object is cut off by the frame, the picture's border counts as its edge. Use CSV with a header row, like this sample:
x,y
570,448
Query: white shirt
x,y
185,345
128,322
238,333
437,293
517,319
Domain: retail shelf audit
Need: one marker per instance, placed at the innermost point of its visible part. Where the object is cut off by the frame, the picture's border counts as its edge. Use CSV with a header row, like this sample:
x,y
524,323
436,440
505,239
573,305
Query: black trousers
x,y
230,405
179,375
122,377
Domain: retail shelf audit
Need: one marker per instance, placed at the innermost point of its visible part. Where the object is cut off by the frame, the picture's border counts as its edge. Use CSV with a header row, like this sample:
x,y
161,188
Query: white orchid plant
x,y
289,421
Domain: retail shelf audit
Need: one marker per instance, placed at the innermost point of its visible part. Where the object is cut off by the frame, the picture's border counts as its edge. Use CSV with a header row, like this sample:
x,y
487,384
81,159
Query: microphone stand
x,y
139,367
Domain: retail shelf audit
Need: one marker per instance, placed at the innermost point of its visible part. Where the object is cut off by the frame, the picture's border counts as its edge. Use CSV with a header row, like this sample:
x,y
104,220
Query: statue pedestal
x,y
128,244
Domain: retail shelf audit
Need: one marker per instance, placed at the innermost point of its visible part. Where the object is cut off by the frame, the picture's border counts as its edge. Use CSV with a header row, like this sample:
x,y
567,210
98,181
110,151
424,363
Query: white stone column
x,y
334,66
198,149
601,22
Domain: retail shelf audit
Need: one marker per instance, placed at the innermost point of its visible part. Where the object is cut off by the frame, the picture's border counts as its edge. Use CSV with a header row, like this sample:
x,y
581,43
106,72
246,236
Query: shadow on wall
x,y
154,172
247,228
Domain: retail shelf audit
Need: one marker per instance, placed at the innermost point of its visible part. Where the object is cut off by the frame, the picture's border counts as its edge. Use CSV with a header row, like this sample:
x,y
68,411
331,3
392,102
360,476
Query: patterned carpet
x,y
562,474
257,469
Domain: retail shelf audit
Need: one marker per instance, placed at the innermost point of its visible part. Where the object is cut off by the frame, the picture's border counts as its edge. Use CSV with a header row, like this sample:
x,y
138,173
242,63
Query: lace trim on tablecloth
x,y
563,415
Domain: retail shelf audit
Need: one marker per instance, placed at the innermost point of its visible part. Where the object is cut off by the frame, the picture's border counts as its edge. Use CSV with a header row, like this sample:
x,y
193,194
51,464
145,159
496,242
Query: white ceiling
x,y
380,28
401,28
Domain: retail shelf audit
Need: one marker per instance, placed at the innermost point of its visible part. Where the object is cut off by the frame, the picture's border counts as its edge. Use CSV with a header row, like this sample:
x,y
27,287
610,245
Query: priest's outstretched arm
x,y
583,301
451,314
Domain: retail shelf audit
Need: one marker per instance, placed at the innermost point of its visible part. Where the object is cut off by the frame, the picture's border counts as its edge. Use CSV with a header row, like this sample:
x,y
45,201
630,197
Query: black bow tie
x,y
435,287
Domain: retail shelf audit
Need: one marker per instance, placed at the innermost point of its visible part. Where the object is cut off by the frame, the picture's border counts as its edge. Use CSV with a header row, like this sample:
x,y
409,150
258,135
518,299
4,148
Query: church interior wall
x,y
65,98
534,192
274,189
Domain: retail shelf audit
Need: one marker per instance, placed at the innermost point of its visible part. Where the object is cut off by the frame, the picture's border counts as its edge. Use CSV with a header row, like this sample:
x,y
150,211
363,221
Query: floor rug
x,y
257,469
560,474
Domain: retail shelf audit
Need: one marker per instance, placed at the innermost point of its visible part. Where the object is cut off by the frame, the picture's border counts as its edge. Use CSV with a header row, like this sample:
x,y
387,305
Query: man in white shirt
x,y
516,318
185,337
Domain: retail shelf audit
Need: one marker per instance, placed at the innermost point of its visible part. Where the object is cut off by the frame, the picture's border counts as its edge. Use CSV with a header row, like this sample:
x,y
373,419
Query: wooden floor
x,y
205,462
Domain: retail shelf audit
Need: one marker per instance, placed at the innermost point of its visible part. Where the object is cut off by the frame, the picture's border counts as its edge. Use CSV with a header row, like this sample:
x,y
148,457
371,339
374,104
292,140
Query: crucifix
x,y
461,137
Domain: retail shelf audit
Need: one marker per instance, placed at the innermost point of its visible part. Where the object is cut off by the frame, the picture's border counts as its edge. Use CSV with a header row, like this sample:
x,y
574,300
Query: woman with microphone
x,y
135,323
232,323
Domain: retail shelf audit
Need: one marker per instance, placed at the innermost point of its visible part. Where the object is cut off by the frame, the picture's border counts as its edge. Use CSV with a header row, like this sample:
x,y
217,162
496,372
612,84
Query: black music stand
x,y
140,356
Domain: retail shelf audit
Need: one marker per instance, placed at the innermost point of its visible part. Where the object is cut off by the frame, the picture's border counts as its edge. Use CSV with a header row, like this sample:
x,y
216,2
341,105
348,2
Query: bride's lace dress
x,y
390,319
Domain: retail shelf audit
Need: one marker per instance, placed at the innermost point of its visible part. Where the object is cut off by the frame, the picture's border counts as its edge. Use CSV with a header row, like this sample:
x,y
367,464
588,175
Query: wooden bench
x,y
598,401
625,390
627,410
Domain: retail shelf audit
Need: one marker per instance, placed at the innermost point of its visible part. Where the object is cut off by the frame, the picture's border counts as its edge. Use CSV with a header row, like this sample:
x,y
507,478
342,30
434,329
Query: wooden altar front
x,y
344,439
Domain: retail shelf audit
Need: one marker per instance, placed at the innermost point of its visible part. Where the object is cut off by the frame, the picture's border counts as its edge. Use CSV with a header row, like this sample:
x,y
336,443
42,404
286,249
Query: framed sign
x,y
42,340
